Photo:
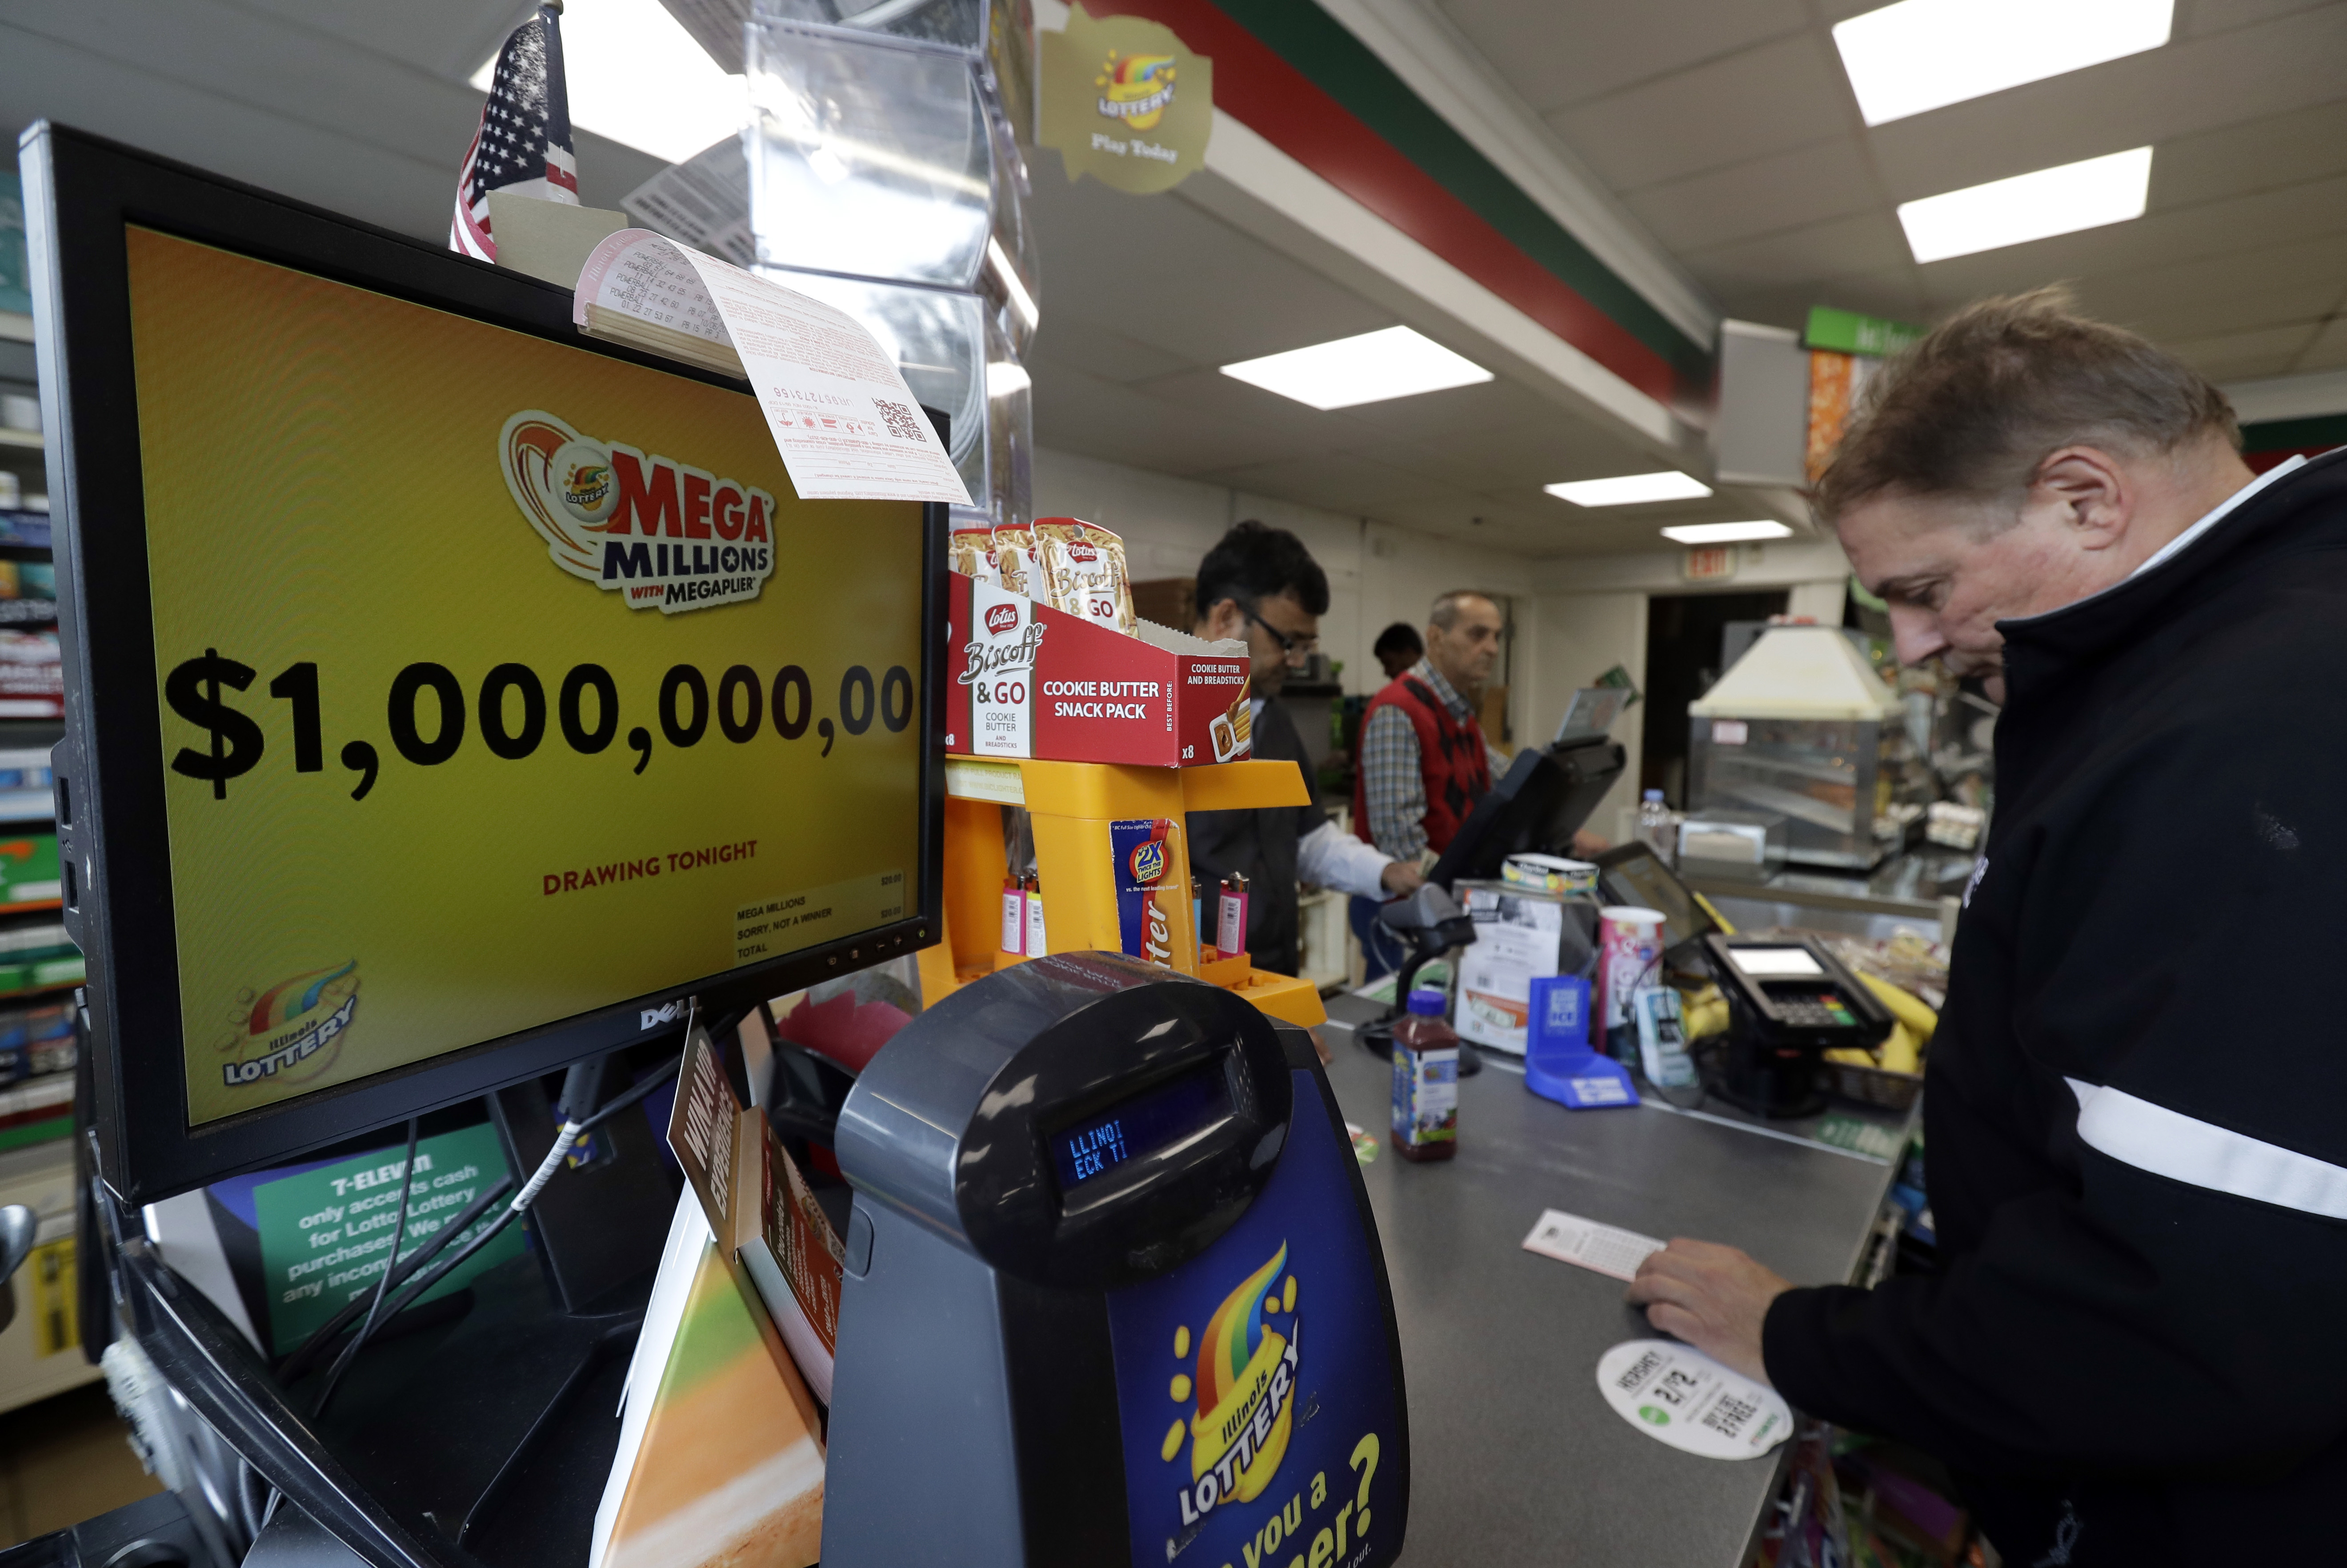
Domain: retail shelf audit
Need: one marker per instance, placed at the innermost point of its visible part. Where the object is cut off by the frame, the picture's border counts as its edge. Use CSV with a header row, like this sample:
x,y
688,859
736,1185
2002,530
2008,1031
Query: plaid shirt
x,y
1390,774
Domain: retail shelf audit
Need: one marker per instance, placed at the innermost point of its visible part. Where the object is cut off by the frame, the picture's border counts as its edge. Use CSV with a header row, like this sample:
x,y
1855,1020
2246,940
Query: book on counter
x,y
785,1252
720,1463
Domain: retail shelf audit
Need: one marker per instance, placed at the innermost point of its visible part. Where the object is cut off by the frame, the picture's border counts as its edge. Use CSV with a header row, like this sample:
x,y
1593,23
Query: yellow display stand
x,y
1071,805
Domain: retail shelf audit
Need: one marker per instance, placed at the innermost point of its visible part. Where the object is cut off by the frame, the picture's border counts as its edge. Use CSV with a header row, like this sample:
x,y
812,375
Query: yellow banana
x,y
1906,1007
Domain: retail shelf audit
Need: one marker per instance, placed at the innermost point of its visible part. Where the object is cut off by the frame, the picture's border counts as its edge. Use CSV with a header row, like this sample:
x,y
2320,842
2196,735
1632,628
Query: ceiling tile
x,y
2261,219
2184,89
2279,149
2258,287
2328,351
1784,190
2198,18
1866,243
1766,99
2244,356
1557,54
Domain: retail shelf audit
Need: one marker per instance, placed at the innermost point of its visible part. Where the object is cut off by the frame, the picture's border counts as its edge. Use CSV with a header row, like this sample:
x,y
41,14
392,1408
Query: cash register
x,y
1790,1001
1113,1293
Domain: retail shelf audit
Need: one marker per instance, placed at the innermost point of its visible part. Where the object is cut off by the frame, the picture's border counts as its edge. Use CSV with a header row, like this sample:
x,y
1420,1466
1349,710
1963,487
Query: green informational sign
x,y
325,1234
1847,332
15,280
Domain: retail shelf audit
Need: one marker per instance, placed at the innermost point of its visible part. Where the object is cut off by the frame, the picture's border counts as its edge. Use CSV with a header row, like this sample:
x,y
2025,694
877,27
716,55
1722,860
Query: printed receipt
x,y
846,426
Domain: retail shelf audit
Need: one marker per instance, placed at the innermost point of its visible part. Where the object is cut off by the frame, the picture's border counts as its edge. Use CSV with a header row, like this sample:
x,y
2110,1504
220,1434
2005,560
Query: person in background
x,y
2129,1351
1424,759
1261,586
1398,647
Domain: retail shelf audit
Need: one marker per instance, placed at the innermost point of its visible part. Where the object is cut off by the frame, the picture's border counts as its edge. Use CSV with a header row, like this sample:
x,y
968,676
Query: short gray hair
x,y
1988,395
1445,613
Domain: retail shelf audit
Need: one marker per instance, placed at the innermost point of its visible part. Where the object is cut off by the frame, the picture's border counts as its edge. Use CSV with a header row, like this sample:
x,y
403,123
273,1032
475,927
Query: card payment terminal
x,y
1113,1293
1790,1001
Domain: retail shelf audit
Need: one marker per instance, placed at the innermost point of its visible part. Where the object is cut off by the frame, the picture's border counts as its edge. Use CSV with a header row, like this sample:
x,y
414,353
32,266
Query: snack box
x,y
1029,681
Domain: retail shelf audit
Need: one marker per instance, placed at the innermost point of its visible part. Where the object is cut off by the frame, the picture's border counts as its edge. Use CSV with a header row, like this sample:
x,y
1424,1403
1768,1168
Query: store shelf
x,y
15,324
25,552
9,437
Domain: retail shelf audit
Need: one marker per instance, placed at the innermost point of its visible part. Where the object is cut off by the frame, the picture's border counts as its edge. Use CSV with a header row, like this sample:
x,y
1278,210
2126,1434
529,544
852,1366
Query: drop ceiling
x,y
1729,128
1725,127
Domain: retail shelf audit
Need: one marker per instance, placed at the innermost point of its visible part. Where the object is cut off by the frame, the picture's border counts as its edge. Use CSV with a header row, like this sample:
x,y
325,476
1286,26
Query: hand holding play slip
x,y
1714,1298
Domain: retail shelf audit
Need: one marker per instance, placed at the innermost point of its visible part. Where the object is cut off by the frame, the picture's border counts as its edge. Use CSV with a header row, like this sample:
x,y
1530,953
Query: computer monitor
x,y
449,697
1633,873
1538,806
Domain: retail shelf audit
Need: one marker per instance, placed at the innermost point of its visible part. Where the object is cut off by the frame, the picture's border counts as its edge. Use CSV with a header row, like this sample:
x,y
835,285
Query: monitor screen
x,y
1149,1122
499,679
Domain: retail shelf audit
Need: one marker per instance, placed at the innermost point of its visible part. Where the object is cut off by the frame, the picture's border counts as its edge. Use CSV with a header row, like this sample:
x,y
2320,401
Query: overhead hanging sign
x,y
1126,102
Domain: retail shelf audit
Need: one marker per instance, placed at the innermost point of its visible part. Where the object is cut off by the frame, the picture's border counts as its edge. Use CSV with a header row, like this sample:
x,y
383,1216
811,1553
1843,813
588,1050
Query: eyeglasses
x,y
1298,648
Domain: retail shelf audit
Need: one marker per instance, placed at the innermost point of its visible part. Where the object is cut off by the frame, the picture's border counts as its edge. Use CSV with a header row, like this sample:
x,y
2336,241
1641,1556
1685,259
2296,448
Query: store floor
x,y
63,1460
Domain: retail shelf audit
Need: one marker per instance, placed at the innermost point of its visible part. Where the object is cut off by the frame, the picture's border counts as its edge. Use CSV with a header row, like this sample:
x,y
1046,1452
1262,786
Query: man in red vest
x,y
1424,760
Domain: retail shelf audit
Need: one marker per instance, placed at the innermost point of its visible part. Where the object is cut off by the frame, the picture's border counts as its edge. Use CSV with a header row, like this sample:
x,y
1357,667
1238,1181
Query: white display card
x,y
1677,1395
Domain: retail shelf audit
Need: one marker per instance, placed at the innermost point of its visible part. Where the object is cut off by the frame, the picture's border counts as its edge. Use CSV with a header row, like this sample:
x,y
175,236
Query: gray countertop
x,y
1517,1459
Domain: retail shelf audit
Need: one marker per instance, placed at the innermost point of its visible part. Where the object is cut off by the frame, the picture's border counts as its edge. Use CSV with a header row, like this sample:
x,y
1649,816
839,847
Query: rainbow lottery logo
x,y
659,533
1243,1401
293,1030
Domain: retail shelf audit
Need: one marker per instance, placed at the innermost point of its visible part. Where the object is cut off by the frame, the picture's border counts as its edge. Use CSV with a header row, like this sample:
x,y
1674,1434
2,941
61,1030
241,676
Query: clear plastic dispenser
x,y
887,172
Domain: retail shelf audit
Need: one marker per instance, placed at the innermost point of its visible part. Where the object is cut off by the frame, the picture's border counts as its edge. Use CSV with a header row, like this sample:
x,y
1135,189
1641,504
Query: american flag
x,y
523,142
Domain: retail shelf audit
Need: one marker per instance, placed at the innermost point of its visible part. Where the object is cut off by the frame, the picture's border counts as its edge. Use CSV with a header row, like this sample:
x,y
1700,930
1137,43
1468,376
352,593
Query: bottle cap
x,y
1428,1002
1654,794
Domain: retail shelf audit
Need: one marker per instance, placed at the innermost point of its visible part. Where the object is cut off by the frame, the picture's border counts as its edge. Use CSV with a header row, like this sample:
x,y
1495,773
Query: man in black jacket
x,y
2132,1353
1261,586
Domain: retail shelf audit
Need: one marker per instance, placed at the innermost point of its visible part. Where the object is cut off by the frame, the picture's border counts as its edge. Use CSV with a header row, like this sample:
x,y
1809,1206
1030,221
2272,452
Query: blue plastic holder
x,y
1558,1062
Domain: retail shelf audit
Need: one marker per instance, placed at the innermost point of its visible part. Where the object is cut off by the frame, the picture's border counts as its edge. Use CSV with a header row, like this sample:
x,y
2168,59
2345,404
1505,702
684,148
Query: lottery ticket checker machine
x,y
1113,1292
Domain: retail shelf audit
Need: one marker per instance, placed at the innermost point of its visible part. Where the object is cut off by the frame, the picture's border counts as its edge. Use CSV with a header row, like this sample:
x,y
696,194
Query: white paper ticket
x,y
1607,1249
846,426
1677,1395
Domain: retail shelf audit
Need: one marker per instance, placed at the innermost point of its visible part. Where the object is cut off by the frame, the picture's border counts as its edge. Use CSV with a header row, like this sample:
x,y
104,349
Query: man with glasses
x,y
1262,586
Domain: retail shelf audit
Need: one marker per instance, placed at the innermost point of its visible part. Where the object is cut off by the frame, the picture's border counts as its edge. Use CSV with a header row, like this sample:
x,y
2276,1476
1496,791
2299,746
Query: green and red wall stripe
x,y
1291,73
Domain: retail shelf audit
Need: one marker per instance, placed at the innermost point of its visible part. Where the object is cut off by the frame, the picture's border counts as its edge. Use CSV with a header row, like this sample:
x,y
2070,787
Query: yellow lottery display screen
x,y
499,681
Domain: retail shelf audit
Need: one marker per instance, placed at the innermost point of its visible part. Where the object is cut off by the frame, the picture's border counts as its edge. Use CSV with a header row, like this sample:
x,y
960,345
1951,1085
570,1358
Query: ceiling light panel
x,y
2058,200
1726,533
1370,368
1630,489
635,75
1924,54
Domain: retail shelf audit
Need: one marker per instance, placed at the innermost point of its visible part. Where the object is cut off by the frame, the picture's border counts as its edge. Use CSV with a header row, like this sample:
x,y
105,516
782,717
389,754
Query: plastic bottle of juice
x,y
1425,1080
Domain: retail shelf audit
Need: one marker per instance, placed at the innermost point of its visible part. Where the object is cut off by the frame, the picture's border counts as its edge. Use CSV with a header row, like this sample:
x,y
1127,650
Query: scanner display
x,y
1155,1119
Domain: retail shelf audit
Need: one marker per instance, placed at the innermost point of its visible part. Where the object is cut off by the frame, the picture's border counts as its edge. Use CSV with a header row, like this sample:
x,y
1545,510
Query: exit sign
x,y
1711,563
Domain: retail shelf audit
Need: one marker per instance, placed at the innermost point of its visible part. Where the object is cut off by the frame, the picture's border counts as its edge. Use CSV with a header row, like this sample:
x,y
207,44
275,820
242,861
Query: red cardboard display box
x,y
1033,681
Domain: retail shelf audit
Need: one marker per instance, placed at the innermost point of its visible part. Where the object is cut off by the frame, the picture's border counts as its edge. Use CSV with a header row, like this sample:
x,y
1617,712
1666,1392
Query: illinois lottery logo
x,y
659,533
1241,1398
293,1031
1137,89
1148,860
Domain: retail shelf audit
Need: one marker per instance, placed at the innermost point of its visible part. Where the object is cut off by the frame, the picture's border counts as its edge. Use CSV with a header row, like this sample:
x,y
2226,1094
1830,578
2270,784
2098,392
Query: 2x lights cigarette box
x,y
1036,682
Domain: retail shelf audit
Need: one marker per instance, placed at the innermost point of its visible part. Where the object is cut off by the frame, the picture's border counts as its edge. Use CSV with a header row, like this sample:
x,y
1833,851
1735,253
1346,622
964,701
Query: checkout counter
x,y
1516,1459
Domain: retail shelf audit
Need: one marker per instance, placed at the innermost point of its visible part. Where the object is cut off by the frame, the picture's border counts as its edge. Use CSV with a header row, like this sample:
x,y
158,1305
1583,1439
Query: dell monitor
x,y
449,697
